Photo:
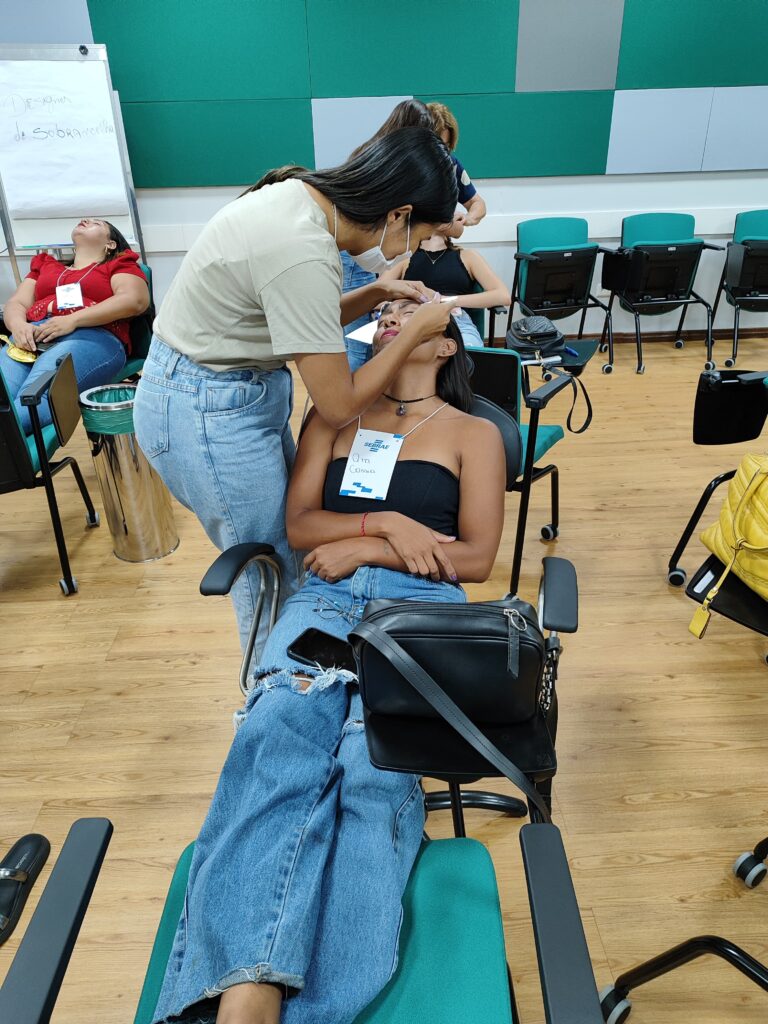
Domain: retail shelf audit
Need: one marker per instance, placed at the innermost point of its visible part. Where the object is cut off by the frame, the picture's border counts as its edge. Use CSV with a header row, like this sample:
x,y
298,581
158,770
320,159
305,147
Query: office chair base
x,y
479,800
615,1008
68,587
750,870
677,577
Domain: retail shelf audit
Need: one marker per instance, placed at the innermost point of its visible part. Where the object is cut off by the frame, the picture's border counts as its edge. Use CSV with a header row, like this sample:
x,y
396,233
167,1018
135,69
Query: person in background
x,y
82,308
447,128
443,267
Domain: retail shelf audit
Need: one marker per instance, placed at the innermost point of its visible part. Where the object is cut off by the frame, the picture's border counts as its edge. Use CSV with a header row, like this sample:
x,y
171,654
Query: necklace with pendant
x,y
428,254
402,402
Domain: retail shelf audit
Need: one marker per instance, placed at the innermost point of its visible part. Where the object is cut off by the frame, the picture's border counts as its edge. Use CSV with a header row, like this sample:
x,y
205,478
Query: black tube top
x,y
424,491
447,275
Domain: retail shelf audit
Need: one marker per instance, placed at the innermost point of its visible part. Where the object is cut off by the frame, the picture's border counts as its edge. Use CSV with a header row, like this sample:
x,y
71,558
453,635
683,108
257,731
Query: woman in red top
x,y
83,308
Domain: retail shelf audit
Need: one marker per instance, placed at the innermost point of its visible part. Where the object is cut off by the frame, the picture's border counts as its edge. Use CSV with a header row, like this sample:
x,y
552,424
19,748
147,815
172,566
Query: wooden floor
x,y
118,702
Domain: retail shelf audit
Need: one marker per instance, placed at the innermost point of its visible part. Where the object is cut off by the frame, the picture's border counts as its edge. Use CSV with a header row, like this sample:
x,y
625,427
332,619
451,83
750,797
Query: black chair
x,y
653,272
25,462
554,267
745,275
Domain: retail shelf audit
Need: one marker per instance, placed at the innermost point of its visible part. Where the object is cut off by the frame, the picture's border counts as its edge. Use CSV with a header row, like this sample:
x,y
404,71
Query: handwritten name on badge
x,y
370,465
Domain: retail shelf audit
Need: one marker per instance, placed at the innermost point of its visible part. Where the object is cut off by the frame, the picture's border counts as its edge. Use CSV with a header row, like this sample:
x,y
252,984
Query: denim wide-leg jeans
x,y
299,870
222,443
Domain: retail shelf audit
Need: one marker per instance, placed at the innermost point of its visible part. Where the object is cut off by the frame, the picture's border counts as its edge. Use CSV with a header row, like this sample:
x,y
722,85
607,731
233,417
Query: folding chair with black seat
x,y
745,274
654,270
25,461
554,267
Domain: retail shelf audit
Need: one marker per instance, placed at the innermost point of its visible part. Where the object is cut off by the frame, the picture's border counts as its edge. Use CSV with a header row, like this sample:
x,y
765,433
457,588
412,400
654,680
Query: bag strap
x,y
575,384
425,685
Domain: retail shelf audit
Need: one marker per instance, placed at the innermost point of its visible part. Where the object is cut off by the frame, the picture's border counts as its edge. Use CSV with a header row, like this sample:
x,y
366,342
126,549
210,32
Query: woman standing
x,y
261,286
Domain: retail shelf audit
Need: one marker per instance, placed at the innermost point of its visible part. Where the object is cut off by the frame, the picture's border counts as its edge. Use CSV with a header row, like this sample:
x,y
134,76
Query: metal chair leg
x,y
581,324
93,518
736,312
675,573
479,800
67,583
678,338
555,497
639,344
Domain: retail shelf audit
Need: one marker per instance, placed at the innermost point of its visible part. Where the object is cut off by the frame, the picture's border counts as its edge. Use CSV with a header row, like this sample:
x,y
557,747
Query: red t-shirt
x,y
95,283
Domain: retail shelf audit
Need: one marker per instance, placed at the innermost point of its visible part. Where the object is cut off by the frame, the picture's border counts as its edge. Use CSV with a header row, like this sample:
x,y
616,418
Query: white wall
x,y
172,218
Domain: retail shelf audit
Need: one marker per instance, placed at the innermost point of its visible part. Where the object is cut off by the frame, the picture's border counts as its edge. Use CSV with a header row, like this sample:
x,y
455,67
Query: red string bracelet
x,y
362,523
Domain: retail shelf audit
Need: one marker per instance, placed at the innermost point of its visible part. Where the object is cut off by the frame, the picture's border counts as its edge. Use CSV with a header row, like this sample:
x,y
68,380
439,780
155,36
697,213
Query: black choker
x,y
402,402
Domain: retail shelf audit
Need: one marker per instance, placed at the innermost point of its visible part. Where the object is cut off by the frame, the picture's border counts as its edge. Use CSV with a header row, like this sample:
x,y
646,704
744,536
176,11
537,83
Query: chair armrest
x,y
567,981
528,256
499,310
559,596
33,393
31,987
541,397
222,575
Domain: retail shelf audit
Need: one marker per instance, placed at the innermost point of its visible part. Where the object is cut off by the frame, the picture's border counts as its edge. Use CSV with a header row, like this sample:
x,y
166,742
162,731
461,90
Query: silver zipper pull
x,y
516,624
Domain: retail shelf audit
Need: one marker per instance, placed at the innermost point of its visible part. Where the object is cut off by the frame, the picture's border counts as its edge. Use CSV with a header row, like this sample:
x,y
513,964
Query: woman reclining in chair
x,y
83,308
301,864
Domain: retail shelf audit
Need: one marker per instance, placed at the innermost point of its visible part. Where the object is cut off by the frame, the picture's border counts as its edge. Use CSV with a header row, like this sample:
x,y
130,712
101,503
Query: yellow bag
x,y
740,536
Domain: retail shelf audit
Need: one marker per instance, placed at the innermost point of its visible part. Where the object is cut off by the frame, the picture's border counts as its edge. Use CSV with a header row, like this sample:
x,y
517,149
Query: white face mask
x,y
374,260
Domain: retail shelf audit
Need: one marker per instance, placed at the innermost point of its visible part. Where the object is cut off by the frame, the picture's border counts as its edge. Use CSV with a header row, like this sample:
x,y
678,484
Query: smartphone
x,y
314,647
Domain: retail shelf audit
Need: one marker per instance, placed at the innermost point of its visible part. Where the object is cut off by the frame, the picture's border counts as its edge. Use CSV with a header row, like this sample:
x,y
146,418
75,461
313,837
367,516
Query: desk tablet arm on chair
x,y
567,981
223,573
559,596
541,397
31,987
33,393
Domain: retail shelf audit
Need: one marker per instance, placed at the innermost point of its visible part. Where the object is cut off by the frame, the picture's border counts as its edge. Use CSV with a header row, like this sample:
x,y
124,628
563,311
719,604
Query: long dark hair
x,y
408,114
453,376
407,166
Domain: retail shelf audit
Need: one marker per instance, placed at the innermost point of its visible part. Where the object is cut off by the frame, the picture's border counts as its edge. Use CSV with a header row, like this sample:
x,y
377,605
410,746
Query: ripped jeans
x,y
300,867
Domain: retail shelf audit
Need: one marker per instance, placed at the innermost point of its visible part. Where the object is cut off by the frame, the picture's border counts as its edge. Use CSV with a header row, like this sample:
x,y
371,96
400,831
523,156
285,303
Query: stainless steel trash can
x,y
136,501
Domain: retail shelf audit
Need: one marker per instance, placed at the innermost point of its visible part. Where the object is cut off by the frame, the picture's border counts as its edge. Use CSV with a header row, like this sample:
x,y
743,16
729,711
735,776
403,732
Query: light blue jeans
x,y
355,277
222,443
300,867
97,355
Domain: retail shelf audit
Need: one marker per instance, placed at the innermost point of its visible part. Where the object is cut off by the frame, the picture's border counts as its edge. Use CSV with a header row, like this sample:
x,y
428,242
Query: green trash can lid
x,y
109,397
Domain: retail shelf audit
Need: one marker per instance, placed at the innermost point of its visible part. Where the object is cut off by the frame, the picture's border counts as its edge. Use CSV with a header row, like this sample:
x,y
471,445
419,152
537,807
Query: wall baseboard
x,y
628,337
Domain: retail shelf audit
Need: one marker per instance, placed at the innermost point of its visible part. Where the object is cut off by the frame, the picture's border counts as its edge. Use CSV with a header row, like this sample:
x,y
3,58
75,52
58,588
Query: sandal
x,y
18,870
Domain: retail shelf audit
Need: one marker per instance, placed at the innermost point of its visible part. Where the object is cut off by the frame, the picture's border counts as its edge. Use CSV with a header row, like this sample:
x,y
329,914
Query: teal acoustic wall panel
x,y
204,49
669,44
369,48
532,134
224,142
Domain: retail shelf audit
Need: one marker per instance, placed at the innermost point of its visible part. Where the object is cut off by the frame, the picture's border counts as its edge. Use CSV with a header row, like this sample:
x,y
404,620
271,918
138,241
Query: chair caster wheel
x,y
677,577
92,523
679,343
709,365
607,367
730,363
549,532
641,368
615,1008
603,346
66,589
546,376
750,870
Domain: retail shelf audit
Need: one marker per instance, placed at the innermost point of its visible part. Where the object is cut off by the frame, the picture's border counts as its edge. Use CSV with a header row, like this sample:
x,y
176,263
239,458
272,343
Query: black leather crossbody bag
x,y
489,658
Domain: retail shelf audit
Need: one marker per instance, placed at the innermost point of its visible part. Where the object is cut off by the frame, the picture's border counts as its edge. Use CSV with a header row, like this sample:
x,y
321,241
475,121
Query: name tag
x,y
69,296
370,465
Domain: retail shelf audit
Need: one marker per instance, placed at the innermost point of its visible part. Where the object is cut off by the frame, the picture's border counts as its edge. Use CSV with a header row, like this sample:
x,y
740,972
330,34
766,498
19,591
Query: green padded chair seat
x,y
546,438
51,442
452,967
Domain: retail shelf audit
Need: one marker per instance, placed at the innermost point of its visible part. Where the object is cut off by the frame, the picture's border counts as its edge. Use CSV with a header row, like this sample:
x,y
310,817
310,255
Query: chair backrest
x,y
751,224
498,381
16,470
63,400
510,435
656,228
141,326
551,232
562,277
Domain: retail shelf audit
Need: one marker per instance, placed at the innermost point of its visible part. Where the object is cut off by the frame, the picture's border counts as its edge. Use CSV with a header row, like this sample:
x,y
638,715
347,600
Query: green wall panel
x,y
532,134
204,49
688,43
400,48
229,142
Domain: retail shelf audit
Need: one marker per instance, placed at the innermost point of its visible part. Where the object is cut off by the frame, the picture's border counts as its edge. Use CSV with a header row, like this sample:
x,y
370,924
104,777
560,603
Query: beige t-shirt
x,y
261,284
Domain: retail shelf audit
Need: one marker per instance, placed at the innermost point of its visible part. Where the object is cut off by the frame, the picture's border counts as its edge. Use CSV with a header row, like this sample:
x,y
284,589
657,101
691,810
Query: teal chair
x,y
141,336
25,461
745,274
554,267
653,272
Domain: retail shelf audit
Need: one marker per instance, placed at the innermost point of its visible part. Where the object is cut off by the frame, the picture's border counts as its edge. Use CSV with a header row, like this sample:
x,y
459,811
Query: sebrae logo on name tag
x,y
69,296
370,465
